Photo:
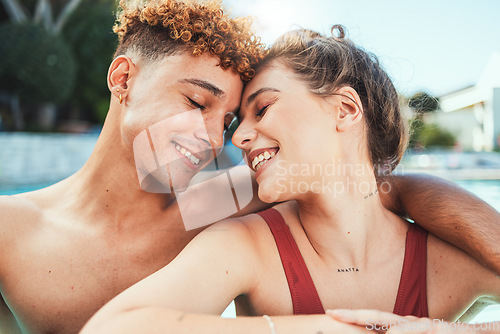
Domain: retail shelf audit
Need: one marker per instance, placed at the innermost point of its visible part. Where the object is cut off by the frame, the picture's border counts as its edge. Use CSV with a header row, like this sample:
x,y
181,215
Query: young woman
x,y
319,123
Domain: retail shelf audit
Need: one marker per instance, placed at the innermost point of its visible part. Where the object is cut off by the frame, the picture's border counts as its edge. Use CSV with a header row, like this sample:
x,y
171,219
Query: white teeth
x,y
261,159
194,160
187,154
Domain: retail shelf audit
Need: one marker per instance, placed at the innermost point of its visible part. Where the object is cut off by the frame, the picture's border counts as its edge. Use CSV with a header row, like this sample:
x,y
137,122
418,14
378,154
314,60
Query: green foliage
x,y
416,126
35,65
428,135
89,32
423,102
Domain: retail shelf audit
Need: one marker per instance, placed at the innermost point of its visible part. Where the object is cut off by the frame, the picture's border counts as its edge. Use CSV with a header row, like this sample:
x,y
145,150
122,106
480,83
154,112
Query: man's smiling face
x,y
175,114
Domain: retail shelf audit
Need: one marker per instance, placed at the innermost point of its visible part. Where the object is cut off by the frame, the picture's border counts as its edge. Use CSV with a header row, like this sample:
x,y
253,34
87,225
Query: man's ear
x,y
350,108
119,73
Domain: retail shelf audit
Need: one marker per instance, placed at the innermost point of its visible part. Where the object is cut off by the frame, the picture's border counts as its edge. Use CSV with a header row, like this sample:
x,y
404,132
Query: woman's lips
x,y
259,157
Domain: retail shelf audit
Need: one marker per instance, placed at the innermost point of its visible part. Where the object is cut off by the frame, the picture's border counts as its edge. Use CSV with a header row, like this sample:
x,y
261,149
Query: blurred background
x,y
444,58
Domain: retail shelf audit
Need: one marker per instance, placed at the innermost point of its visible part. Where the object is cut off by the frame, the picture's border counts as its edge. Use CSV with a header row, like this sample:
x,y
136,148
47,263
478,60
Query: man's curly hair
x,y
159,28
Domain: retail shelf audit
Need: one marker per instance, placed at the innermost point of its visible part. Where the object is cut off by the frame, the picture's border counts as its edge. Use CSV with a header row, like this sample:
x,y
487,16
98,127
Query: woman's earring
x,y
121,100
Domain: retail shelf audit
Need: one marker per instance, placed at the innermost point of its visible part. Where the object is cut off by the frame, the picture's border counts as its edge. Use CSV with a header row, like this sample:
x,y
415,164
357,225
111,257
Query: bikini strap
x,y
305,298
412,293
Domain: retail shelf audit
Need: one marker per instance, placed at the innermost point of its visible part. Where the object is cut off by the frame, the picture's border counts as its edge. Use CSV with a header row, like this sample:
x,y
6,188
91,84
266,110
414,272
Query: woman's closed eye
x,y
262,110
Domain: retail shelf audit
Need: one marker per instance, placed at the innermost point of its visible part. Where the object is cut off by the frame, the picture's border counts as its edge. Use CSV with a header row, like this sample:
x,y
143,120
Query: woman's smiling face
x,y
286,131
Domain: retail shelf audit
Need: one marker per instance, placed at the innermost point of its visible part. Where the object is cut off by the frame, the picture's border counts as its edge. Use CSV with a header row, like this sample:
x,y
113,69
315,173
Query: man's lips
x,y
195,156
260,156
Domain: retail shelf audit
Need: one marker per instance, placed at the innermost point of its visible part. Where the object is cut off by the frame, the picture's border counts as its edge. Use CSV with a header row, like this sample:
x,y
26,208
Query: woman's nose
x,y
244,135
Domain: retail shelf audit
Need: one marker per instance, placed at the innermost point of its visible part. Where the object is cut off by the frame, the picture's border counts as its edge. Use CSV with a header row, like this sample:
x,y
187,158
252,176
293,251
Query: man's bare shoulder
x,y
20,204
18,212
19,215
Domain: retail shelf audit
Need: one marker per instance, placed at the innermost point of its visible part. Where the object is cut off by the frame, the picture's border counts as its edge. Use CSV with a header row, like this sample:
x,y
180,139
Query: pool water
x,y
488,190
23,189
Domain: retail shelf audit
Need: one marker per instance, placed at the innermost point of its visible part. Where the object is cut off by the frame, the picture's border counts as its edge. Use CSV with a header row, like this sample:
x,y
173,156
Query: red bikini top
x,y
412,293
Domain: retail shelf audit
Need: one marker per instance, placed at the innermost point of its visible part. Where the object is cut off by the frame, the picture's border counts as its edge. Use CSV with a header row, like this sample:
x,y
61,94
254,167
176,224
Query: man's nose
x,y
212,135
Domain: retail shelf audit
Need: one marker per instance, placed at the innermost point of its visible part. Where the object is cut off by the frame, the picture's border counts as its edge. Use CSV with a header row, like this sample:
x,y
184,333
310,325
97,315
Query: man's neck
x,y
107,190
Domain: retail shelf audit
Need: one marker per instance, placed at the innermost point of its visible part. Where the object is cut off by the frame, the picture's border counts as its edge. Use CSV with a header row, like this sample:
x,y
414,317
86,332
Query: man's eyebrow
x,y
219,93
252,97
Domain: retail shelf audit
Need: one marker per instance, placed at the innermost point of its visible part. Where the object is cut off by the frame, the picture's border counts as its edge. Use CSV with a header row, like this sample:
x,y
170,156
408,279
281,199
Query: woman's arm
x,y
447,211
189,294
160,320
215,267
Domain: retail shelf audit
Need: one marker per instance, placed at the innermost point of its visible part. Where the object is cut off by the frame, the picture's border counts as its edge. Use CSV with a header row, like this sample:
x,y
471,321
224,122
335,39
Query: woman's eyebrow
x,y
214,90
252,97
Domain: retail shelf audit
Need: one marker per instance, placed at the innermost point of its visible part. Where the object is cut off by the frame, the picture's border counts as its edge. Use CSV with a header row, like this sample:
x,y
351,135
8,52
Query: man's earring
x,y
120,99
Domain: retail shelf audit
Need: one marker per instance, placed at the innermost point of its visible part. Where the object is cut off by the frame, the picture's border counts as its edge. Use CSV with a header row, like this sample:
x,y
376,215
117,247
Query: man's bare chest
x,y
55,285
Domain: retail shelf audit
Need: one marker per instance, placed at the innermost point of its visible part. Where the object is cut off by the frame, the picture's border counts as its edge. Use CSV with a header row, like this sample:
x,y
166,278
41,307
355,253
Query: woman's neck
x,y
349,223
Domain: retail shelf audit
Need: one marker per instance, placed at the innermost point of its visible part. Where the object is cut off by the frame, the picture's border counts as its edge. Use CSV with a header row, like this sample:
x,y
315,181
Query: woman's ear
x,y
350,108
119,73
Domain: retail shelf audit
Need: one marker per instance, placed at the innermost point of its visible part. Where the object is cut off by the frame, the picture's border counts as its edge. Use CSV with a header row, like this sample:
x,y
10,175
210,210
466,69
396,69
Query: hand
x,y
385,322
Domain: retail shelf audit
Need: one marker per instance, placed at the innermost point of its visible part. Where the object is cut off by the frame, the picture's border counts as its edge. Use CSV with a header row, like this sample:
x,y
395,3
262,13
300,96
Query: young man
x,y
179,71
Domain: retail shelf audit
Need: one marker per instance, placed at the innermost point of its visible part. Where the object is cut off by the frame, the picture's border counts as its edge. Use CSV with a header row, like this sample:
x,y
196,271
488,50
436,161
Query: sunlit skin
x,y
168,98
319,142
71,247
237,258
280,113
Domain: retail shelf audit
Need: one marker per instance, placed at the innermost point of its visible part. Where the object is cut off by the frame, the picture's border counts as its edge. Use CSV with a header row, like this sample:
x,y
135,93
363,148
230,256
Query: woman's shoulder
x,y
446,263
250,231
443,254
253,222
242,232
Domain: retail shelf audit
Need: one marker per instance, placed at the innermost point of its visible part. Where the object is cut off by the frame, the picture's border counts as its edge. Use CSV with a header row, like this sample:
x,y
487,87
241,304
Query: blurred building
x,y
473,113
